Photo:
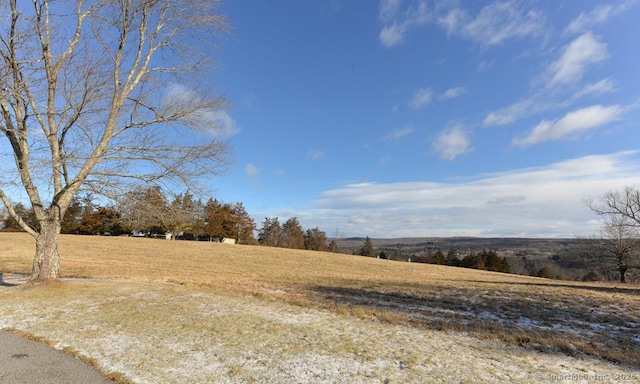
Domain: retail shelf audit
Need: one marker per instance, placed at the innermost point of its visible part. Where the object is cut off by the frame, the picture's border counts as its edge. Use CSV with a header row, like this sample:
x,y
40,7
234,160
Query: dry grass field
x,y
172,311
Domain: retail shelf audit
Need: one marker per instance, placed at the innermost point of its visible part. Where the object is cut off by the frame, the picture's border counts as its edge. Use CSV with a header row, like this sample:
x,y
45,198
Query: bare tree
x,y
620,242
625,203
95,94
620,238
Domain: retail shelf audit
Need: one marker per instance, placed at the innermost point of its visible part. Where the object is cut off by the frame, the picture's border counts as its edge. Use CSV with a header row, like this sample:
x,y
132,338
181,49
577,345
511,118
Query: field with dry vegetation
x,y
152,311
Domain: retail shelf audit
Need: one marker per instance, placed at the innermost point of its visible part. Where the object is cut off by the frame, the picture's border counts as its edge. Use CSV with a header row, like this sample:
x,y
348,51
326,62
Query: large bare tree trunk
x,y
97,95
623,272
46,263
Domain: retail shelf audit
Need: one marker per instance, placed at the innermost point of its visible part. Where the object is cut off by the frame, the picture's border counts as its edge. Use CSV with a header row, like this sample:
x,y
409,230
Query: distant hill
x,y
461,244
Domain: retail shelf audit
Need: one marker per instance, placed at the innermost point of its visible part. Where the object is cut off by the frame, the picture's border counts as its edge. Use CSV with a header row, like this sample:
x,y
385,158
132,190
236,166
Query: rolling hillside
x,y
251,313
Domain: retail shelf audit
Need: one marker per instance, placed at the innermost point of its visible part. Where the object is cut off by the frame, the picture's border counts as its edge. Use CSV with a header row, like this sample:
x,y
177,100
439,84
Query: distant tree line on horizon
x,y
149,211
487,260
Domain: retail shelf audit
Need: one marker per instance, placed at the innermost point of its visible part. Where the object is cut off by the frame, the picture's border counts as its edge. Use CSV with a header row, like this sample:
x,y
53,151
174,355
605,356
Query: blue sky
x,y
423,118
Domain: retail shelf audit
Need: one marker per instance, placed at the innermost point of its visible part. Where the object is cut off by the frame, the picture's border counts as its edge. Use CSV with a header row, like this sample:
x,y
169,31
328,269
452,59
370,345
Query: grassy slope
x,y
568,318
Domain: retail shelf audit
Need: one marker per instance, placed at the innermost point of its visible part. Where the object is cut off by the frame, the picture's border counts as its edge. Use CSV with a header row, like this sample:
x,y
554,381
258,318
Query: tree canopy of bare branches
x,y
620,236
97,94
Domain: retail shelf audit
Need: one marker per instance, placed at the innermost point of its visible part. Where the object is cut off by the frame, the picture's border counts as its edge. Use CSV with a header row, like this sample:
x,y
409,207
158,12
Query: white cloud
x,y
499,22
397,24
561,78
452,142
389,9
543,101
400,133
421,98
392,35
452,93
180,99
453,21
599,15
576,56
601,87
251,171
546,201
315,155
221,124
571,124
512,112
495,23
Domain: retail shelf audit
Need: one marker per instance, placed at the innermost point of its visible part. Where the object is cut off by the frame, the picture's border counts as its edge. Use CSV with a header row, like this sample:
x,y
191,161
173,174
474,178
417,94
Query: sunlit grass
x,y
530,314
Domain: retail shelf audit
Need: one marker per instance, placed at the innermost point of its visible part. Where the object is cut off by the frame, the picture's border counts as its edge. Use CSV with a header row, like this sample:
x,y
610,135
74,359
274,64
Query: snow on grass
x,y
175,334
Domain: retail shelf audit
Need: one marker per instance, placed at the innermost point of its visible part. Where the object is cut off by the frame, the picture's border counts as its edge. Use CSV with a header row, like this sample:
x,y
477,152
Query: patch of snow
x,y
489,315
526,322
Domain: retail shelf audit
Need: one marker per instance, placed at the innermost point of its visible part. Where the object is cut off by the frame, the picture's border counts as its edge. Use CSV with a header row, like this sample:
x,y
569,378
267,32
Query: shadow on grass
x,y
3,283
542,321
623,289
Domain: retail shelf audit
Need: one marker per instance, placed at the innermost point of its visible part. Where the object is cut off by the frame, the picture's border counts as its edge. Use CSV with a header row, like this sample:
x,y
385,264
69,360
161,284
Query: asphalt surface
x,y
27,361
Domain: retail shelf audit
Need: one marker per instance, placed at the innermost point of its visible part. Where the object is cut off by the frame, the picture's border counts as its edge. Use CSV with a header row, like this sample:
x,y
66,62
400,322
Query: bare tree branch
x,y
96,93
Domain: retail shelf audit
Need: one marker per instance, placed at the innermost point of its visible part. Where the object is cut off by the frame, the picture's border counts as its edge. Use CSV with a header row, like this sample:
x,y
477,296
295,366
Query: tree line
x,y
487,260
147,211
292,235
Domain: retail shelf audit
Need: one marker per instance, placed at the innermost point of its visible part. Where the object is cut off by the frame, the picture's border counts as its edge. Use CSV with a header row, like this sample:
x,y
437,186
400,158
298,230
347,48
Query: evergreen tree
x,y
27,215
439,257
315,240
271,233
292,234
452,258
231,221
367,248
244,224
491,261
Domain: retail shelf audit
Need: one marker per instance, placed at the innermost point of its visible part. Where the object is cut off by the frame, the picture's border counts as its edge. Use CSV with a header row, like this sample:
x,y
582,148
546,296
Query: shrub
x,y
594,275
545,272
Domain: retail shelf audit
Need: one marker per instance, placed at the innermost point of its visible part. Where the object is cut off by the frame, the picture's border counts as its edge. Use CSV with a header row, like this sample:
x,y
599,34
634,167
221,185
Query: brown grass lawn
x,y
554,317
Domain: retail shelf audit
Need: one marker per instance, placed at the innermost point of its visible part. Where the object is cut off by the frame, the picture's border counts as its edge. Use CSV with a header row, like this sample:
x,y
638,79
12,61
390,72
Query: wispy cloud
x,y
513,112
315,154
546,201
397,23
421,98
452,142
452,93
572,124
601,87
251,171
494,24
389,9
207,117
543,101
575,58
599,15
560,77
221,123
399,133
